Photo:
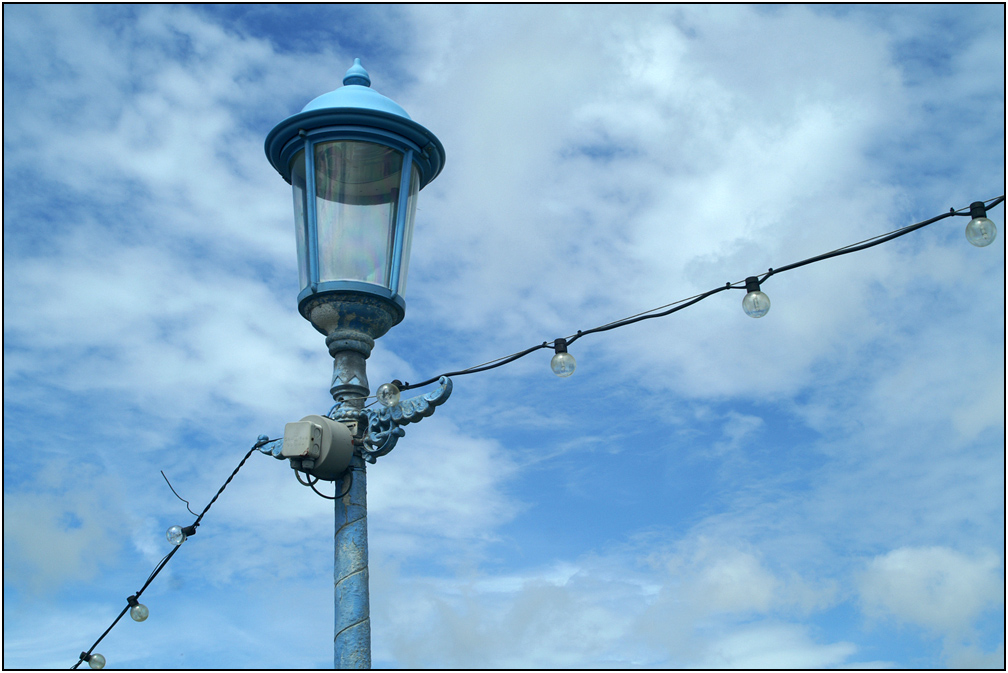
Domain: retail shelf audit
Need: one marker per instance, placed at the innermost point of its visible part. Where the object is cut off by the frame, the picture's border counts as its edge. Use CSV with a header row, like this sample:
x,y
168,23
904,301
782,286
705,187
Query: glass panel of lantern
x,y
300,213
356,202
414,189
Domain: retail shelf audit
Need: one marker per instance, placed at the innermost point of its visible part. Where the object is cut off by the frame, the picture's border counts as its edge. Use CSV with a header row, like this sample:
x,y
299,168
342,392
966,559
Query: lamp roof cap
x,y
357,108
357,93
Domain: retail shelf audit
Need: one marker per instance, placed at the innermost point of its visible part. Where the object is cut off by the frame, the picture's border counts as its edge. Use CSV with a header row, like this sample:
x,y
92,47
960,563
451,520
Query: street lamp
x,y
356,163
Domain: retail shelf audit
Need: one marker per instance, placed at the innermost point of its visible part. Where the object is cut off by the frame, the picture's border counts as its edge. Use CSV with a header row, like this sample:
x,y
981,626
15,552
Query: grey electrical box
x,y
327,444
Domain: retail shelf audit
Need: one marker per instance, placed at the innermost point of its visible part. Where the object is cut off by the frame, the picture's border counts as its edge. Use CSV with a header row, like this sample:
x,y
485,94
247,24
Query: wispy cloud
x,y
707,490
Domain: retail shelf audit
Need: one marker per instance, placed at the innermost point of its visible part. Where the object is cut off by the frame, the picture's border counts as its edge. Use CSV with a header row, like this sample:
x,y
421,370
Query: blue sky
x,y
823,487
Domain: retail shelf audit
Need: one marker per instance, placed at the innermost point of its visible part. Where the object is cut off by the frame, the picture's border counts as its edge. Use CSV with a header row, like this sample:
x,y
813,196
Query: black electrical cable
x,y
206,509
349,481
311,484
327,497
491,364
161,564
114,622
877,240
684,303
176,493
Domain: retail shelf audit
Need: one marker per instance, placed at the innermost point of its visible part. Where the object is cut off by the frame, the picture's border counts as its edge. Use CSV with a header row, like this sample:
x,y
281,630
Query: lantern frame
x,y
354,112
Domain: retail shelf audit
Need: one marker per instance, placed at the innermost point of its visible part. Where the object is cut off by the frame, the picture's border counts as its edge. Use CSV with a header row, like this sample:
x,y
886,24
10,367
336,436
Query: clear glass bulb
x,y
756,304
563,364
139,612
981,232
97,662
175,535
388,394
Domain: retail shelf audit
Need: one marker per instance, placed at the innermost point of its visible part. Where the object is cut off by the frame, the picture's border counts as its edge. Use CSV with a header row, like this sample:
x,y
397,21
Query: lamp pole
x,y
352,632
356,162
350,346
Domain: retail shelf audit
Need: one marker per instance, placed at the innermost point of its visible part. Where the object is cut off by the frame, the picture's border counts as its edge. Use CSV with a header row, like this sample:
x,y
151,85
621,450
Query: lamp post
x,y
356,162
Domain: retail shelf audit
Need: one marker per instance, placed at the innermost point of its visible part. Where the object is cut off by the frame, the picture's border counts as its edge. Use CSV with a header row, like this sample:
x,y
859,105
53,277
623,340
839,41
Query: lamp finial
x,y
357,74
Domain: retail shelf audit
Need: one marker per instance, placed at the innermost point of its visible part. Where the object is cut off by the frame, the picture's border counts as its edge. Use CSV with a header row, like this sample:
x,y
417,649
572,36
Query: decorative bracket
x,y
381,429
273,447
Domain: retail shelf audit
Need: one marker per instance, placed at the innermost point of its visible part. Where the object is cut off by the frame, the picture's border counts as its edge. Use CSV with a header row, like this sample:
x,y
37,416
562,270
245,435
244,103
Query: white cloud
x,y
779,646
735,584
938,588
439,490
712,606
971,657
559,616
171,330
737,430
723,175
51,541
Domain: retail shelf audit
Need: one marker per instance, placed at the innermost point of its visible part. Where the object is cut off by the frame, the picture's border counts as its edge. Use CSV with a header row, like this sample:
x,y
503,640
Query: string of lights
x,y
176,535
980,231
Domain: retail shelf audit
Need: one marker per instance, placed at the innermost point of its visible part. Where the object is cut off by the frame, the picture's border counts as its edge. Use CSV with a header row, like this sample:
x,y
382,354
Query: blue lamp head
x,y
356,162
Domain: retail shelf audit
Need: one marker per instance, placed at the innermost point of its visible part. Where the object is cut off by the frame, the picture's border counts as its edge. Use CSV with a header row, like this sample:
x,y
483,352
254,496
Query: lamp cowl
x,y
356,92
356,103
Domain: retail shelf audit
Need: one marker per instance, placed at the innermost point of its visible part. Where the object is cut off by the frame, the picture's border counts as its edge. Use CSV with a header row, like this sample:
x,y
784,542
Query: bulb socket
x,y
978,209
752,284
560,345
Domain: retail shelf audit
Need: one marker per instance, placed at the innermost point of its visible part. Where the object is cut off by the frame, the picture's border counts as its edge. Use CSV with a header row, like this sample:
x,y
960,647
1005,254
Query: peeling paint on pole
x,y
352,643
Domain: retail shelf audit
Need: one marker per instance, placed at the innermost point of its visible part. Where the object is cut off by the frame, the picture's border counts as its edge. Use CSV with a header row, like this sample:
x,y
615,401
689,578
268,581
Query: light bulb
x,y
388,394
139,612
755,303
96,661
980,231
563,363
176,535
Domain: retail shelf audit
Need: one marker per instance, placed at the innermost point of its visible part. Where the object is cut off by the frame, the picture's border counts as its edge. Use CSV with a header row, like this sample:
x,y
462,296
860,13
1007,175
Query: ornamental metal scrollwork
x,y
273,447
383,428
